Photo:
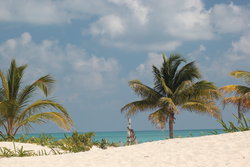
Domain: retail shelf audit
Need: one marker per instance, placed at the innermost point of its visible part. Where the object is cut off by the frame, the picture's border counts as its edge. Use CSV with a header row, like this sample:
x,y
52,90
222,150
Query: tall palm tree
x,y
16,107
174,88
240,93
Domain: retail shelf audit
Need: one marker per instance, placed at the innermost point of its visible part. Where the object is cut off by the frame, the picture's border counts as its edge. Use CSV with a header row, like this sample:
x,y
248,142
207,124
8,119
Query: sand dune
x,y
216,150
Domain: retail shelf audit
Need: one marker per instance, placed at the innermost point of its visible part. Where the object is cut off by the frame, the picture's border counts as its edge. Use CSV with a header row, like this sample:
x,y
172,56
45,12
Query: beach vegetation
x,y
18,107
43,140
242,124
16,152
240,94
77,142
176,87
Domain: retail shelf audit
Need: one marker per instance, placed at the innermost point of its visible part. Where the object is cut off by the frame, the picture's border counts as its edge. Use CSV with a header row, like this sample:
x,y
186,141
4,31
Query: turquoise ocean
x,y
142,136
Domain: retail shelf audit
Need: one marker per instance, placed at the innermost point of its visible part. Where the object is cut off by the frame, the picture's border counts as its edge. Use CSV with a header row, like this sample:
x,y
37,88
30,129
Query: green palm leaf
x,y
135,106
174,87
203,107
5,88
143,90
16,107
58,118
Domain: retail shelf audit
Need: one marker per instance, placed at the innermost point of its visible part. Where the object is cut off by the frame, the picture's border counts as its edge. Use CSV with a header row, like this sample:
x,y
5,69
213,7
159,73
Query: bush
x,y
44,140
77,142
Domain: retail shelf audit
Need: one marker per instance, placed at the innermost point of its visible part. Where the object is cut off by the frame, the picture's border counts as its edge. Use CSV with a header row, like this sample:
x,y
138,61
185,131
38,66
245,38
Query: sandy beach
x,y
231,149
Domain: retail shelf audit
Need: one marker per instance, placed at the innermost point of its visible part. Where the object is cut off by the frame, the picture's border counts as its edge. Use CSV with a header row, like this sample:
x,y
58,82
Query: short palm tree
x,y
16,107
174,88
241,93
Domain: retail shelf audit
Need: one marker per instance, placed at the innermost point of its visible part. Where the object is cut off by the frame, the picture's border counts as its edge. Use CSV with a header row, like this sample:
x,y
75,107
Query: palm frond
x,y
38,106
184,86
45,83
14,78
174,62
199,90
157,80
235,89
242,74
206,89
159,118
242,101
142,105
5,85
167,91
168,104
246,100
58,118
15,108
25,95
203,107
187,72
2,94
143,90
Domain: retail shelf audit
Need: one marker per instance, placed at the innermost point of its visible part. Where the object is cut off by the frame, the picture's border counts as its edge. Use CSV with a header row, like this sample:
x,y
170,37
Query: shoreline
x,y
230,149
142,136
165,130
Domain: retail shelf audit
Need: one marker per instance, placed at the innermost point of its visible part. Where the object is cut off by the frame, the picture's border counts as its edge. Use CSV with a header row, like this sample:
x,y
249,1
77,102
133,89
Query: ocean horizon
x,y
142,136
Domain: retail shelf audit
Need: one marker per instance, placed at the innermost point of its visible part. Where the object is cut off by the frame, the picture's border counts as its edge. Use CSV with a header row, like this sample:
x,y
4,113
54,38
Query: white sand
x,y
216,150
26,146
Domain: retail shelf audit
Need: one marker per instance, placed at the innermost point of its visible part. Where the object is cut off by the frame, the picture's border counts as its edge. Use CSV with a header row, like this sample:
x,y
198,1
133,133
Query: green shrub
x,y
77,142
44,140
104,144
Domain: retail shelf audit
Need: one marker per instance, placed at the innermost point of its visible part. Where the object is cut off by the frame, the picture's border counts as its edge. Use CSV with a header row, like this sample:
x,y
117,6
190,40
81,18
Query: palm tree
x,y
174,88
16,107
241,94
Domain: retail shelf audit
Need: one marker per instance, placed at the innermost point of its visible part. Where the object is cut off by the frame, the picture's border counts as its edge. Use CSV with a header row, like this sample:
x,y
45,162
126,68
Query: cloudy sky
x,y
93,48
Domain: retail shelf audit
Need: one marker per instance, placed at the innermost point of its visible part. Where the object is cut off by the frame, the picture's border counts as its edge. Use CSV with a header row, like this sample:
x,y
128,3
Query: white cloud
x,y
198,53
139,11
134,24
144,70
69,64
235,58
242,46
187,21
230,18
110,25
168,24
33,11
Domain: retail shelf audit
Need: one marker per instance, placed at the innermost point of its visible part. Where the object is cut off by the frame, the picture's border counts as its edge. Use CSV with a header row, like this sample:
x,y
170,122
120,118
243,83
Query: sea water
x,y
141,136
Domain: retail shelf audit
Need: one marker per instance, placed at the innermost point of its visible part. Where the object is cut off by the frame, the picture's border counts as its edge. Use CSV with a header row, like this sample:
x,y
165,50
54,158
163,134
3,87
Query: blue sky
x,y
93,48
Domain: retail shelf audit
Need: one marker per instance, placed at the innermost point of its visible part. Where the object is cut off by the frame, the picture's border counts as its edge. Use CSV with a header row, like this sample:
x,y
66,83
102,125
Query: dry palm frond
x,y
242,74
159,118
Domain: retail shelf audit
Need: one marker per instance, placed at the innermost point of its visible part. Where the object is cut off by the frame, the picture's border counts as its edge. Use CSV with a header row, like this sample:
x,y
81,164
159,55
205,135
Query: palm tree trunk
x,y
239,113
171,126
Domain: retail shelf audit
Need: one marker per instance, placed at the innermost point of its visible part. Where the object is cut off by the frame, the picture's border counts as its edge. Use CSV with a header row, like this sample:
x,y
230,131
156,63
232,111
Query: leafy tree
x,y
240,93
17,110
174,89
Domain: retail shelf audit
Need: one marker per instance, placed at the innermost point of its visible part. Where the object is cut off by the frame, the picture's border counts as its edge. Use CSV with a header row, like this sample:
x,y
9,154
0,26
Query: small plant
x,y
5,152
243,126
214,132
104,144
77,142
